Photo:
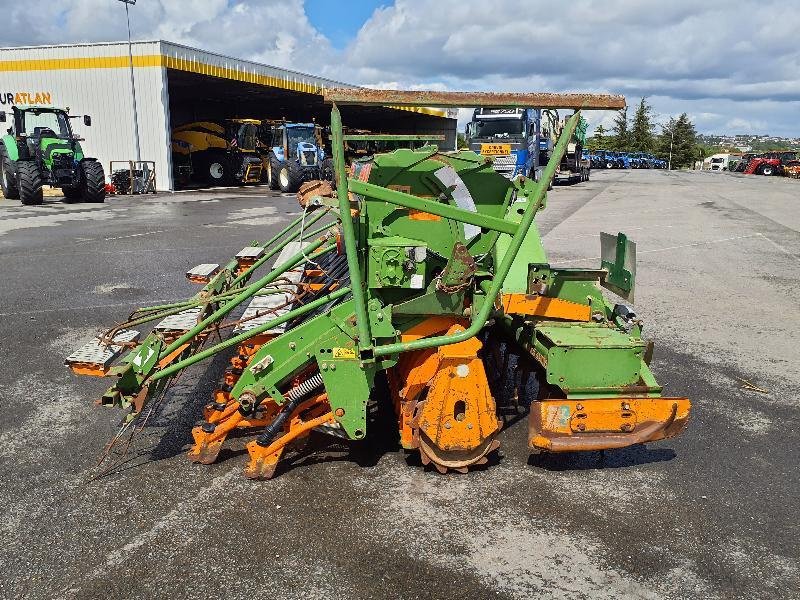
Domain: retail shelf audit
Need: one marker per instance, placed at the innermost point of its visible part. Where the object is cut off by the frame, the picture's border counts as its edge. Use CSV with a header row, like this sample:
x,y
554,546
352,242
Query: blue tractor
x,y
623,160
295,154
511,136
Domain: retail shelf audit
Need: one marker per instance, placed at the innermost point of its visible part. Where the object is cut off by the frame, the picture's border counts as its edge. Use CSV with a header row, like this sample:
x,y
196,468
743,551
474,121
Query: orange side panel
x,y
548,308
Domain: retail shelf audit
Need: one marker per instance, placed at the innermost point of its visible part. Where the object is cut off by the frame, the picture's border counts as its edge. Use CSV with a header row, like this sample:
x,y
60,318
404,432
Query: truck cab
x,y
511,136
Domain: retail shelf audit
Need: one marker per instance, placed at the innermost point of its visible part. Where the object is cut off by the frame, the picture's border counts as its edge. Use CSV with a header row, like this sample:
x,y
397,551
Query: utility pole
x,y
671,140
133,84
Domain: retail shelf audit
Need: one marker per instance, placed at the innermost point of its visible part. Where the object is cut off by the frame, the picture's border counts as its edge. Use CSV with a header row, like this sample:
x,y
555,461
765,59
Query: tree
x,y
461,140
598,141
621,140
681,136
641,132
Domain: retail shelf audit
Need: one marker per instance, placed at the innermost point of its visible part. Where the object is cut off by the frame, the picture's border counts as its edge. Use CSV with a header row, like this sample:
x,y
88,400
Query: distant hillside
x,y
749,143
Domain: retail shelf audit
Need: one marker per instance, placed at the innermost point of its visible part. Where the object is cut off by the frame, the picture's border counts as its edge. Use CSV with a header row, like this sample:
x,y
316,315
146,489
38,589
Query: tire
x,y
327,170
290,176
93,185
218,169
8,182
72,194
767,170
273,166
609,165
29,181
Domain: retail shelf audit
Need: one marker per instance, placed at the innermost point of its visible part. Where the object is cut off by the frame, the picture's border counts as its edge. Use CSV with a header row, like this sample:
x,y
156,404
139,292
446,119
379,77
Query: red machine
x,y
770,163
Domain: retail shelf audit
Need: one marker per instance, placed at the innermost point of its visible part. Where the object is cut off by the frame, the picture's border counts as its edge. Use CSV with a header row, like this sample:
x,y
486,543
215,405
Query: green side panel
x,y
348,386
10,145
532,251
587,358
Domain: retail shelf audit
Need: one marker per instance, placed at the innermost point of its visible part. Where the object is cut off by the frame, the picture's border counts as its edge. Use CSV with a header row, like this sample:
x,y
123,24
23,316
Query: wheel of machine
x,y
457,461
29,182
273,167
219,170
609,165
72,194
93,187
290,176
327,172
767,170
7,180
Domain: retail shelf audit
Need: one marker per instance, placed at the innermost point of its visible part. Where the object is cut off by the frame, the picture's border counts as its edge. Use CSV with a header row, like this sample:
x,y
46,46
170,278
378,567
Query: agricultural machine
x,y
41,149
223,153
407,288
770,163
295,155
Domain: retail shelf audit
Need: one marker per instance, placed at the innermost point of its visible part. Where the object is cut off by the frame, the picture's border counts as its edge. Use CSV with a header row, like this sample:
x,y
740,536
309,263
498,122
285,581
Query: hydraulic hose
x,y
295,396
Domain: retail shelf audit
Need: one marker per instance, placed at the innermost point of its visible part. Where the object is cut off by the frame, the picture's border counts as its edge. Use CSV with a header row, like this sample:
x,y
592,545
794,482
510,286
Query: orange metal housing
x,y
603,424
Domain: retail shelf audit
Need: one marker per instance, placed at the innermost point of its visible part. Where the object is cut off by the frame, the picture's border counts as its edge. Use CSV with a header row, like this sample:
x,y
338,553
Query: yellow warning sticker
x,y
348,353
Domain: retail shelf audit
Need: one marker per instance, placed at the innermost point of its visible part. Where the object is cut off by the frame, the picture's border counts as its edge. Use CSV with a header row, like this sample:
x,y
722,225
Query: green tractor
x,y
40,149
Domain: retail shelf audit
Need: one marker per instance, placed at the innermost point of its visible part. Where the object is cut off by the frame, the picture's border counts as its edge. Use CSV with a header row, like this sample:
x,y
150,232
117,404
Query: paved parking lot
x,y
711,514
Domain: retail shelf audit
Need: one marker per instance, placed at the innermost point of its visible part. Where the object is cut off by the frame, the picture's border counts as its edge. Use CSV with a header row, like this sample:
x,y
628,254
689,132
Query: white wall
x,y
105,94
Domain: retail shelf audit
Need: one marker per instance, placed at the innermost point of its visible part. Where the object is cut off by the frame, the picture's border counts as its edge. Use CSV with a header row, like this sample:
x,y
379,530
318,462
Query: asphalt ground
x,y
710,514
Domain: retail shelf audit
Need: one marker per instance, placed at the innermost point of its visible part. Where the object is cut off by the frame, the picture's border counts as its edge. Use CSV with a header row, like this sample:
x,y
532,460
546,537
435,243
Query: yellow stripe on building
x,y
178,64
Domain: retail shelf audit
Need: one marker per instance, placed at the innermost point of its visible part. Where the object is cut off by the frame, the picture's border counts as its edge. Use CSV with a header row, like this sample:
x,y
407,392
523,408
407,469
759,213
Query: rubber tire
x,y
217,158
326,170
72,194
290,177
609,165
272,173
93,186
29,181
767,170
8,182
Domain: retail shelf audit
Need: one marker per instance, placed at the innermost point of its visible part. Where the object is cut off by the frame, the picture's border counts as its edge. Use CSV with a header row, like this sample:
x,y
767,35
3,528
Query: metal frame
x,y
344,186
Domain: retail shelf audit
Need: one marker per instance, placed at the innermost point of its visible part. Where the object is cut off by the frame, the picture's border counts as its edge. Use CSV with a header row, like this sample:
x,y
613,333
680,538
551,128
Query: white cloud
x,y
728,67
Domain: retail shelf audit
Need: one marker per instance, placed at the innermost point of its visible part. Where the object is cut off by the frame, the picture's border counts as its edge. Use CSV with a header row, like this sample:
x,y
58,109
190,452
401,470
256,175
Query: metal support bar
x,y
372,97
234,341
274,250
246,294
435,208
348,232
480,319
386,137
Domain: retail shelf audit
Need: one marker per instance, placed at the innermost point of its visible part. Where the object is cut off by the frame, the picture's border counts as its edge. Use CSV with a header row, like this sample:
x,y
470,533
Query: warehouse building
x,y
174,85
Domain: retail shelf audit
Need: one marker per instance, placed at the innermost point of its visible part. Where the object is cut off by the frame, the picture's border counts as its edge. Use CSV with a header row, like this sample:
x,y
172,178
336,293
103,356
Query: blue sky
x,y
340,21
732,69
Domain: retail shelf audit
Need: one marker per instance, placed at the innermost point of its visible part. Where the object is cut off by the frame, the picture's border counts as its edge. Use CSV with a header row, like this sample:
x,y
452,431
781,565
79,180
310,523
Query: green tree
x,y
461,140
598,141
621,134
679,135
642,138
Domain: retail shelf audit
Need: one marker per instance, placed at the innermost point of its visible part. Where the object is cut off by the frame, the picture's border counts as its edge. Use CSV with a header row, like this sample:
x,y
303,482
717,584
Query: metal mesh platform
x,y
101,355
183,321
251,252
268,306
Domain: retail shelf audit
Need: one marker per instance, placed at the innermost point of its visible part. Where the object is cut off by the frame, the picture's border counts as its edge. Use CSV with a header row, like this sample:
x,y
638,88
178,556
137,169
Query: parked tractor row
x,y
610,159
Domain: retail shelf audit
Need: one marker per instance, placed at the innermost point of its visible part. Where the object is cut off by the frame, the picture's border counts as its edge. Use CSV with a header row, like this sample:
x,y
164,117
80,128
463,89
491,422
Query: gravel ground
x,y
711,514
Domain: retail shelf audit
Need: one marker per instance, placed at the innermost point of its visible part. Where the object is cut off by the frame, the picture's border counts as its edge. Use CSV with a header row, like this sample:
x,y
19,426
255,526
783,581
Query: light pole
x,y
133,84
671,140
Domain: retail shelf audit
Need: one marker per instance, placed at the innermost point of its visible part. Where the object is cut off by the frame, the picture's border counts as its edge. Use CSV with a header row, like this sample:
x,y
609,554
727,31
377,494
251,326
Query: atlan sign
x,y
25,98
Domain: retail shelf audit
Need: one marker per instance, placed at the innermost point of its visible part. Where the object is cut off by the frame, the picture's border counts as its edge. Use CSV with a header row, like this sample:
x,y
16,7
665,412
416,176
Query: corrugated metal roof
x,y
171,55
